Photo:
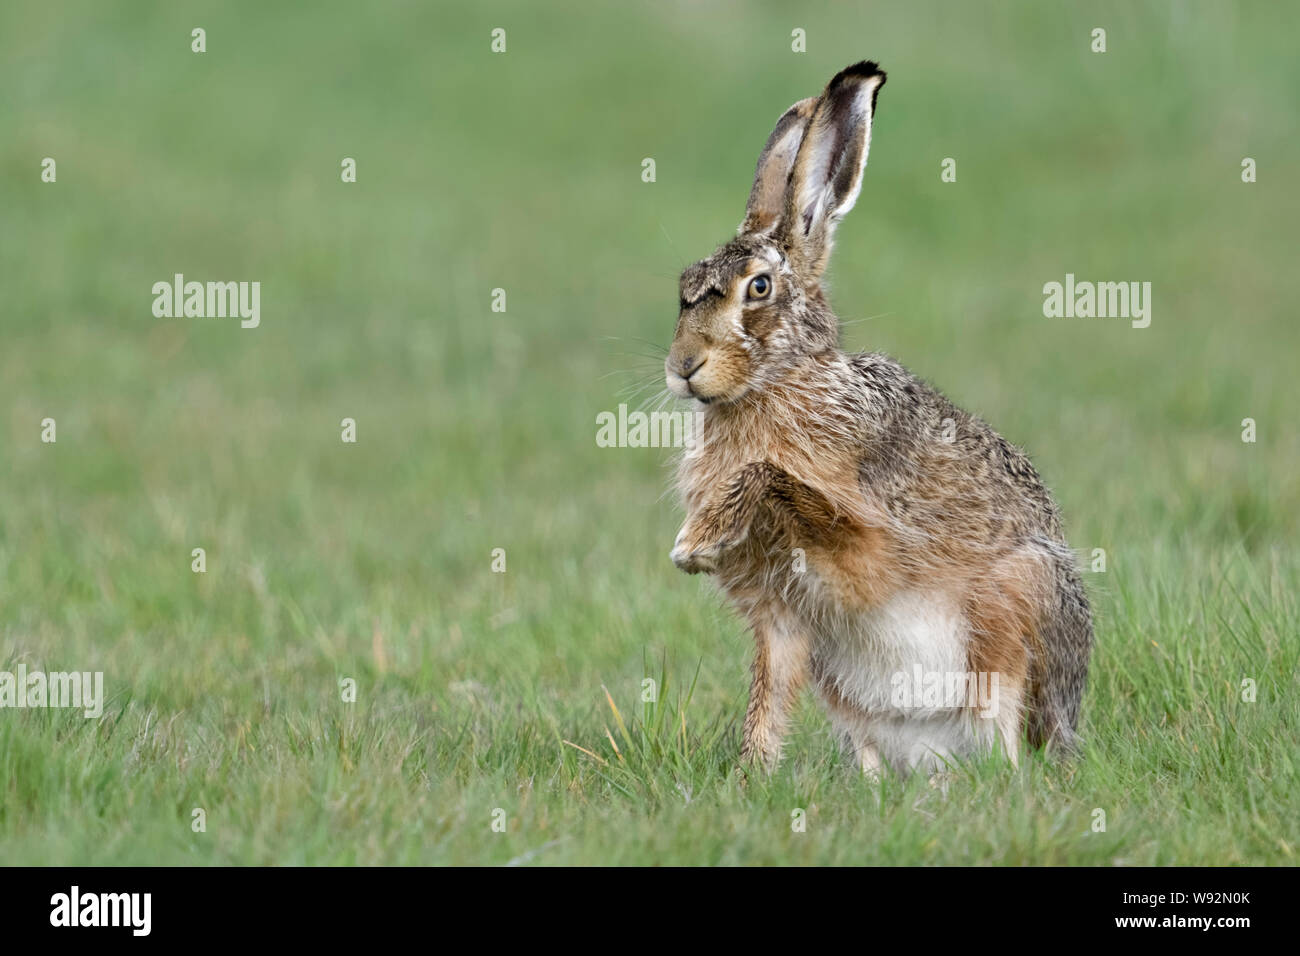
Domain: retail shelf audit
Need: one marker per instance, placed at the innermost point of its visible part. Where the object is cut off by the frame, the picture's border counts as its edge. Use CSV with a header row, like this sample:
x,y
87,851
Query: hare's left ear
x,y
827,174
767,197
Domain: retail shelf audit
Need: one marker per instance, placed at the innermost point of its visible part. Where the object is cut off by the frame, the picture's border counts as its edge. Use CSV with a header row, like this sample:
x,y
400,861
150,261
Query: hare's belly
x,y
878,662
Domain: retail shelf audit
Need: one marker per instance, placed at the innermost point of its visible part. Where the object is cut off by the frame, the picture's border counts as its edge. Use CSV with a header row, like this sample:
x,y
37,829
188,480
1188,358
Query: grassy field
x,y
517,696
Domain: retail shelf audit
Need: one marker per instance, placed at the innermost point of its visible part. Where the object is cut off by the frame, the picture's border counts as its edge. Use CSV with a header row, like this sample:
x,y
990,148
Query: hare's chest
x,y
874,660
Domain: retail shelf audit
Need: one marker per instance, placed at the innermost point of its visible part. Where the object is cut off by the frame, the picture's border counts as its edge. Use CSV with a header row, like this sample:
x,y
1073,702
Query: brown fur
x,y
779,670
885,486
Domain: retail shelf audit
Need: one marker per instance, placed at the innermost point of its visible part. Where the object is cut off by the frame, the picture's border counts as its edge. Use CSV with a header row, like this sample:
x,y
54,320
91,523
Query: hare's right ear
x,y
767,197
827,173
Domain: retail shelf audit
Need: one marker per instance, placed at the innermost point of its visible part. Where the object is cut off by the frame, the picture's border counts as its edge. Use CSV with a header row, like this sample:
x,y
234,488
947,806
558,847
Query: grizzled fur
x,y
928,538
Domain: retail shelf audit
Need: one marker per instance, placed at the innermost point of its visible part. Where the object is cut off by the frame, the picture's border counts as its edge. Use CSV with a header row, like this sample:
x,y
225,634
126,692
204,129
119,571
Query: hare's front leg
x,y
724,522
780,668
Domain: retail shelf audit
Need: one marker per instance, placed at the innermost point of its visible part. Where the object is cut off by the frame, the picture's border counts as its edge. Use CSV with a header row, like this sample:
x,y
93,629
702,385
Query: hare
x,y
881,542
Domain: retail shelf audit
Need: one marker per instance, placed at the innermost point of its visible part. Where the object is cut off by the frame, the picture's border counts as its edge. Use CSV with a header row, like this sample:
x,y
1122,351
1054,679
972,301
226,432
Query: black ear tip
x,y
862,70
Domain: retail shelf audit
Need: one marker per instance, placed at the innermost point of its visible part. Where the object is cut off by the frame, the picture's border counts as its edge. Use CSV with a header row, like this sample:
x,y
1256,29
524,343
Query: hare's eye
x,y
760,287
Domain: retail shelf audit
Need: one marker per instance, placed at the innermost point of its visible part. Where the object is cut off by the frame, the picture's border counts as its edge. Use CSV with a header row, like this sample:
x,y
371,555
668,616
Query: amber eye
x,y
760,287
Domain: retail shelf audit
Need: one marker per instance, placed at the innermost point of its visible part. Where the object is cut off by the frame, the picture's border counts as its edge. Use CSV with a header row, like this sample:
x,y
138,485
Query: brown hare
x,y
881,542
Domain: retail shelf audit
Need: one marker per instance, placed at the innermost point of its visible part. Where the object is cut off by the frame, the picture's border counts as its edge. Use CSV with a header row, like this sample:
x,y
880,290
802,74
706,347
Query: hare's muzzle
x,y
684,360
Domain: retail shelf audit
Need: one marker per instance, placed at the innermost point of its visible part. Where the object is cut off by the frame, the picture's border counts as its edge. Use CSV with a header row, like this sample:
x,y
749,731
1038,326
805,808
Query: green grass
x,y
480,691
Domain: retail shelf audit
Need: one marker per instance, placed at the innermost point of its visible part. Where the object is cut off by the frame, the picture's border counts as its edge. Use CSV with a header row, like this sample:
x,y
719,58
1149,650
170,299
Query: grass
x,y
522,691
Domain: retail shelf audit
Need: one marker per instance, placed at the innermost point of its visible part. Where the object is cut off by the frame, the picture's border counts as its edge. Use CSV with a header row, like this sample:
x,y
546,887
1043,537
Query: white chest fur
x,y
862,655
875,663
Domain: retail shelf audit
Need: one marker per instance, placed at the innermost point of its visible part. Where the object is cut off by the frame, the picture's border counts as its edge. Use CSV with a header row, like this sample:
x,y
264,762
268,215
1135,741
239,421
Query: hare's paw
x,y
697,551
694,556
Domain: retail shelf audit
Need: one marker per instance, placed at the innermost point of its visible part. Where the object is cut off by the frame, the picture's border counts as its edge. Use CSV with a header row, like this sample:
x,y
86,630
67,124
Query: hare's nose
x,y
689,365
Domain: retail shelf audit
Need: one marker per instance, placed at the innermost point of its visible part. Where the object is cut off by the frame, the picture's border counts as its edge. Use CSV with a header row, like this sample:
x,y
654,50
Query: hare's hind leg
x,y
779,670
1032,627
1007,710
1004,612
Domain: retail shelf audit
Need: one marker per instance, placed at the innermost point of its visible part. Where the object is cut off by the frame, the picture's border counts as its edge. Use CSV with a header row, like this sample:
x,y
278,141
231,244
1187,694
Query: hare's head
x,y
755,307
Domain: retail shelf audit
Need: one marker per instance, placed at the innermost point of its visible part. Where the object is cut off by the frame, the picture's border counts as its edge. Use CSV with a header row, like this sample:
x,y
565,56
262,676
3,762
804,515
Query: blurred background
x,y
476,429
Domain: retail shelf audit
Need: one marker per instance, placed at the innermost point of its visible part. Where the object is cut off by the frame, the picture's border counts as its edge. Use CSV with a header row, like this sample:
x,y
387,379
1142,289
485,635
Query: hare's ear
x,y
827,173
767,197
